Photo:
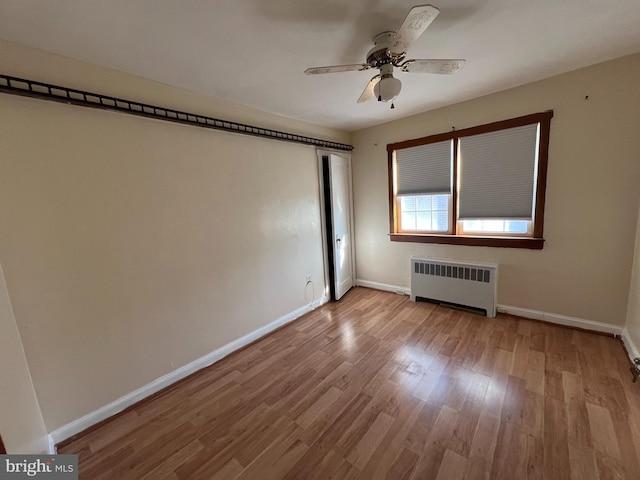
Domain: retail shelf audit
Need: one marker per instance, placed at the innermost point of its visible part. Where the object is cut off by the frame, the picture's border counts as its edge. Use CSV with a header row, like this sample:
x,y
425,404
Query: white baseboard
x,y
383,286
562,319
92,418
51,450
631,347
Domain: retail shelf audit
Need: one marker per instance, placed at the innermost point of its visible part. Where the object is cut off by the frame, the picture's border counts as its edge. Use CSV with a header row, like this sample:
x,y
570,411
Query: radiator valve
x,y
635,370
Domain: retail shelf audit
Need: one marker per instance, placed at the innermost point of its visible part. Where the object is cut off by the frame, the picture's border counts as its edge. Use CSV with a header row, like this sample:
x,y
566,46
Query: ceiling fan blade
x,y
419,18
444,66
355,67
368,94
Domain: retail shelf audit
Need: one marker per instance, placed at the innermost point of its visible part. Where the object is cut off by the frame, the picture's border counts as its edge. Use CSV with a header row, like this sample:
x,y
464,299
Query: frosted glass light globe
x,y
387,89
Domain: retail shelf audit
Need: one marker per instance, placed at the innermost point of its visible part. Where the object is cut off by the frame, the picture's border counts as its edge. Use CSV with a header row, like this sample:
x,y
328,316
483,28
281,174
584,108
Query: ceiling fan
x,y
389,51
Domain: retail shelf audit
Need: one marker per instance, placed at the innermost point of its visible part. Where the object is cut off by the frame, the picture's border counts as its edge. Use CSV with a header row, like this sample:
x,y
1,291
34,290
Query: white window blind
x,y
497,174
425,169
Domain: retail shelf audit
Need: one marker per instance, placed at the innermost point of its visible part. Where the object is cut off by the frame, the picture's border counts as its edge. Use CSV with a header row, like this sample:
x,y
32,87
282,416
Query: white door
x,y
340,181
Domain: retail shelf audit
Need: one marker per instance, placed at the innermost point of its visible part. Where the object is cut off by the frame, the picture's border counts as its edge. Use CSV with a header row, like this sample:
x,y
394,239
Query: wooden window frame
x,y
535,242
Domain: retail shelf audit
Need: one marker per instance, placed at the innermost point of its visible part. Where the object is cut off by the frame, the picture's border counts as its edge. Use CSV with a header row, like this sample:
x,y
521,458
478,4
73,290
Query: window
x,y
425,213
483,185
506,227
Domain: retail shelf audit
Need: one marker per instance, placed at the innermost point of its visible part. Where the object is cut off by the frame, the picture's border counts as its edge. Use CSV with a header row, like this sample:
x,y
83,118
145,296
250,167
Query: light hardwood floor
x,y
376,387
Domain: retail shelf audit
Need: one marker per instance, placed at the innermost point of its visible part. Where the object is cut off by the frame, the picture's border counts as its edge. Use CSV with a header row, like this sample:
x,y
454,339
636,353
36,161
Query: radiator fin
x,y
453,271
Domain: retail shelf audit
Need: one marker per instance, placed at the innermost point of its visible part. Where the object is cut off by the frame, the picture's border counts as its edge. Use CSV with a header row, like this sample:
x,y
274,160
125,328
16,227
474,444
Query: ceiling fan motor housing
x,y
380,54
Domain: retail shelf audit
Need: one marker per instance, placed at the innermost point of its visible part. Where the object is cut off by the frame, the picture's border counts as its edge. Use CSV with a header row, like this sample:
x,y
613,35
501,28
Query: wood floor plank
x,y
311,463
520,357
532,462
497,385
470,413
403,467
429,381
333,466
508,455
113,431
230,471
346,419
361,453
435,446
276,460
610,468
408,377
206,389
143,460
583,463
261,436
391,448
535,372
604,435
453,467
578,428
167,467
556,452
486,361
363,422
633,400
376,387
314,411
329,416
572,387
373,386
483,447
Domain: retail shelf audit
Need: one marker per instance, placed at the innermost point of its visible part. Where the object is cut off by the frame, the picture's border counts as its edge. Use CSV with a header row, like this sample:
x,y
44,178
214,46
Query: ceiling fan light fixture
x,y
387,89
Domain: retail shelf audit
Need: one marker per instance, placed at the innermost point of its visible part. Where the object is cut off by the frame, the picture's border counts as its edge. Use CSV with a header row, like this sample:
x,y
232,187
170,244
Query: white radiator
x,y
467,284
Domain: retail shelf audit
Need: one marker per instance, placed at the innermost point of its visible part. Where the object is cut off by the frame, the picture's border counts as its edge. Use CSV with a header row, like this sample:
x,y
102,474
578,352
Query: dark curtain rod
x,y
56,93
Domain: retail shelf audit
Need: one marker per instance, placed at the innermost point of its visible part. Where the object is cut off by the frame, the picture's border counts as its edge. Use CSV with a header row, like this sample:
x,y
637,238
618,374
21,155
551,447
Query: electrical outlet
x,y
308,278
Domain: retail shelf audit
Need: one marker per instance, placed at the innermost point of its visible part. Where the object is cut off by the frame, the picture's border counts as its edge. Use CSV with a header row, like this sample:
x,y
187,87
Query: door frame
x,y
325,222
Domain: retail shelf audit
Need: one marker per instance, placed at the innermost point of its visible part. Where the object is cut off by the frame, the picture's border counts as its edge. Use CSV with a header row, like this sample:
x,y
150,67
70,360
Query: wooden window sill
x,y
504,242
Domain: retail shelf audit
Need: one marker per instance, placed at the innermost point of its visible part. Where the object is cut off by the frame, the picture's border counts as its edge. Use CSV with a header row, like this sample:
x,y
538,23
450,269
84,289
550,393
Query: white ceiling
x,y
254,52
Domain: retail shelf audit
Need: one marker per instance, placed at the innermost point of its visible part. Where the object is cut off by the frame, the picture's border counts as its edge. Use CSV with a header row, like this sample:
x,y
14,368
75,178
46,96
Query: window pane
x,y
423,202
440,202
408,221
472,225
408,203
424,221
441,221
493,226
516,226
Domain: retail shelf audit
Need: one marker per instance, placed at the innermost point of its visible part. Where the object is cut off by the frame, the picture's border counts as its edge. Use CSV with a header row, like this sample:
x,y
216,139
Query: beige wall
x,y
633,311
132,246
21,424
592,193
